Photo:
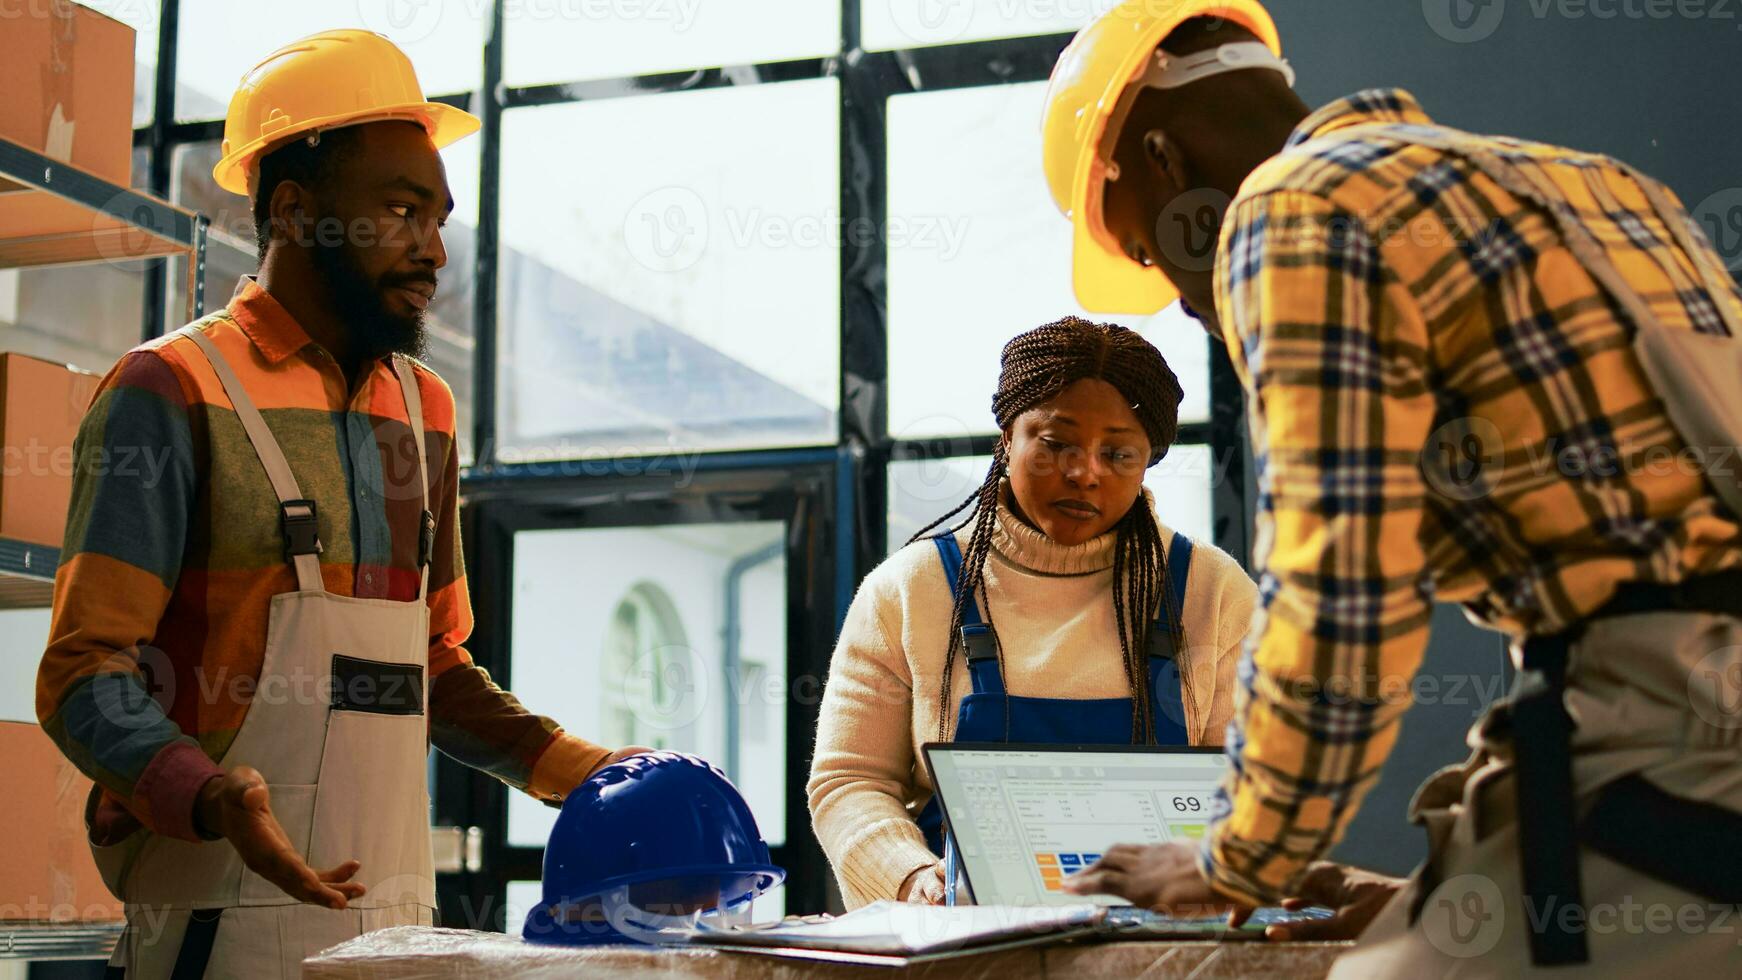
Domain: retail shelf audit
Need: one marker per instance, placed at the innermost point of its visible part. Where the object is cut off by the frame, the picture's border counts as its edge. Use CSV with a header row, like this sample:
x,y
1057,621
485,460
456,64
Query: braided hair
x,y
1036,367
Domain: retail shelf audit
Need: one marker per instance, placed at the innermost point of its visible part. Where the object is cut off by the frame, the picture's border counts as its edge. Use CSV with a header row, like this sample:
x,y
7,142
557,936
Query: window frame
x,y
802,491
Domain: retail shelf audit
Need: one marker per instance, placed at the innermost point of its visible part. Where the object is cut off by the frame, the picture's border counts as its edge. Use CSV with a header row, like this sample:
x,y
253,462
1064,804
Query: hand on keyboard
x,y
1356,896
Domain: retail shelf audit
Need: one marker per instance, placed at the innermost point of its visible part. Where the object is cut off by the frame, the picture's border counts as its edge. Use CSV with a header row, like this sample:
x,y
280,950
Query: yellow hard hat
x,y
1091,75
327,80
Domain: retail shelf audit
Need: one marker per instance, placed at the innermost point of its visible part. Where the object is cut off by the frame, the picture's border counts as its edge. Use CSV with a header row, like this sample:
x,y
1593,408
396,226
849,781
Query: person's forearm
x,y
114,733
1334,354
120,560
483,726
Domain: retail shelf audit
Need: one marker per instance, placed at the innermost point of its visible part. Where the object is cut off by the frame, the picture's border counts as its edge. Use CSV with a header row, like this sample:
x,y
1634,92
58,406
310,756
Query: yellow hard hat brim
x,y
445,124
1110,282
1105,279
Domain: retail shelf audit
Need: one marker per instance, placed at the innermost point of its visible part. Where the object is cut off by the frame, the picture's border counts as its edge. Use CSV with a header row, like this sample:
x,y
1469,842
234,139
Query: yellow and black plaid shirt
x,y
1444,405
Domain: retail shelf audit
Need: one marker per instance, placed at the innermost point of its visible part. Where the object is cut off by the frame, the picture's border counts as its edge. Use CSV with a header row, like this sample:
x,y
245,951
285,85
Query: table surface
x,y
419,953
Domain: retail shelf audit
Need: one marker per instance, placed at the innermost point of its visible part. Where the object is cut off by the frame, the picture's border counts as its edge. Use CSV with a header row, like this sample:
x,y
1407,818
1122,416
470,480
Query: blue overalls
x,y
987,714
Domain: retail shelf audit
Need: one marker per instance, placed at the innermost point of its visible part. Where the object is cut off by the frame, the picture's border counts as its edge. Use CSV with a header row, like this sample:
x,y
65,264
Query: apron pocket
x,y
376,687
372,806
294,807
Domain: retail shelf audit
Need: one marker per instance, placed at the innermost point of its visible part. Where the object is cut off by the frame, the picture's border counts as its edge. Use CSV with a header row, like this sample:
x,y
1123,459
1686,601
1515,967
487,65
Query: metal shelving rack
x,y
107,224
26,574
90,221
58,941
124,225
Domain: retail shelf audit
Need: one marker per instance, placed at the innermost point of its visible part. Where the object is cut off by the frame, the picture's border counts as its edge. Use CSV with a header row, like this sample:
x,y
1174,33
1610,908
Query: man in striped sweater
x,y
186,600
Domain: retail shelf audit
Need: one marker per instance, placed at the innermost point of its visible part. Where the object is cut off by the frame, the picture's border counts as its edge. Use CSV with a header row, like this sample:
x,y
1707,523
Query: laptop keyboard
x,y
1131,917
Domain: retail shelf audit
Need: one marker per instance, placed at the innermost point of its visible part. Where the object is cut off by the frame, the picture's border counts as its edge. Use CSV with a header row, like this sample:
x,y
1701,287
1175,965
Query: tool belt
x,y
1689,844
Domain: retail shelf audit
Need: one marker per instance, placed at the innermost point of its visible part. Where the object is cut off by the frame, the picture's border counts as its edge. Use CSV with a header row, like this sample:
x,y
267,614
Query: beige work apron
x,y
1650,694
339,734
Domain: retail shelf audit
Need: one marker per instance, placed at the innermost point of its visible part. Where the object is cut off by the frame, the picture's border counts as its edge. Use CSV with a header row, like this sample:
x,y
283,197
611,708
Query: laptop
x,y
1023,817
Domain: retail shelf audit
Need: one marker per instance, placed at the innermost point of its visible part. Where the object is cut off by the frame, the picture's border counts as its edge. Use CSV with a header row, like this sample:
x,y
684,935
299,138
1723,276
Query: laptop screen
x,y
1027,816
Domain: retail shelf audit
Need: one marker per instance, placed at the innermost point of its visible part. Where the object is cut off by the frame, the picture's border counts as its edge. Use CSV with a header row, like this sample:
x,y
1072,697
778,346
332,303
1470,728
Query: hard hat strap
x,y
1173,70
1170,71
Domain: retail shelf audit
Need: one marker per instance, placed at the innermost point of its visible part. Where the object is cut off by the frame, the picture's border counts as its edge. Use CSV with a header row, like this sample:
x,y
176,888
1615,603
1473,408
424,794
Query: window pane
x,y
26,632
570,40
984,255
891,24
84,315
232,254
921,491
142,16
221,40
667,281
625,636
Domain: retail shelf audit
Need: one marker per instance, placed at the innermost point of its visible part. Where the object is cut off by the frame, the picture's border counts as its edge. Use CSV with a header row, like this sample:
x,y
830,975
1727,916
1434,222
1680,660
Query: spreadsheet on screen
x,y
1024,821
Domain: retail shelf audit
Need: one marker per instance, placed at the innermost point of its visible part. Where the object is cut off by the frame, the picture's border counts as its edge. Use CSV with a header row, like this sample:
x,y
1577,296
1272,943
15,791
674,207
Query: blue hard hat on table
x,y
655,840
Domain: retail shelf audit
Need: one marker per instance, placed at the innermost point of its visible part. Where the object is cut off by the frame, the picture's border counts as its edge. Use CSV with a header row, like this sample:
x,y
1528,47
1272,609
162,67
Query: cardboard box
x,y
67,72
46,871
41,404
66,91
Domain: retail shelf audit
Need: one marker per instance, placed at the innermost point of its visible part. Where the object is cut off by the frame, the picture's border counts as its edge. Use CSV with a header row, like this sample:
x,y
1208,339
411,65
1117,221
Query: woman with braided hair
x,y
1059,609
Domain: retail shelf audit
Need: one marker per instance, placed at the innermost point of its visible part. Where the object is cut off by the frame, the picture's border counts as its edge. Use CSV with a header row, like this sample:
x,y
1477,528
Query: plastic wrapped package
x,y
415,953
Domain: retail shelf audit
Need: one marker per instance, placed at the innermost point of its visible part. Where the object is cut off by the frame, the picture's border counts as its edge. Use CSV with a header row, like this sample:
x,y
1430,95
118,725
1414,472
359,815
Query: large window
x,y
679,292
569,40
892,24
978,253
222,40
677,642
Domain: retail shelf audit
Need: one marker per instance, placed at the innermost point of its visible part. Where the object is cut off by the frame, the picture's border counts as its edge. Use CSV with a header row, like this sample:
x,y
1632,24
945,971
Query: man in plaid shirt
x,y
1445,404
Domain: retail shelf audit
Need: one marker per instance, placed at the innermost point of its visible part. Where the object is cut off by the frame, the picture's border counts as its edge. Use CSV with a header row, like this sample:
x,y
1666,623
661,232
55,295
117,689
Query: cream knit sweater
x,y
1053,608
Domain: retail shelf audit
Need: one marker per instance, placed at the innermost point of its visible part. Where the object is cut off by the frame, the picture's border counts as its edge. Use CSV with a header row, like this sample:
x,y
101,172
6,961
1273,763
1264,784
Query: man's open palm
x,y
239,806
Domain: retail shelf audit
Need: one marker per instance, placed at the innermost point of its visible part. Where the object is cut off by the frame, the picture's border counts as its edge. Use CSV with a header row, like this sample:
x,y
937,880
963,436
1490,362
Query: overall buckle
x,y
978,643
426,536
297,519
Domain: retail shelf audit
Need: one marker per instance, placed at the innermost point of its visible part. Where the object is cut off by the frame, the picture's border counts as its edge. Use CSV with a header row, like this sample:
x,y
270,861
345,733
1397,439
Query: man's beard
x,y
375,330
